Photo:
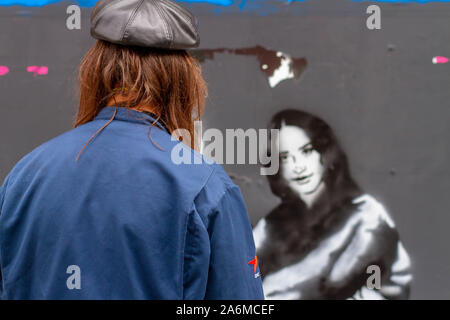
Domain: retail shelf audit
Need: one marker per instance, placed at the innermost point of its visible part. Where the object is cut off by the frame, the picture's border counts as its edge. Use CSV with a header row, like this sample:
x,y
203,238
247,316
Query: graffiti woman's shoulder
x,y
372,211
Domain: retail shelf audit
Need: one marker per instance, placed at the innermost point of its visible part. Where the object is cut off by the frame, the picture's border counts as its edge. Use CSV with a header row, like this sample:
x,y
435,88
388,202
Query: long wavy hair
x,y
170,81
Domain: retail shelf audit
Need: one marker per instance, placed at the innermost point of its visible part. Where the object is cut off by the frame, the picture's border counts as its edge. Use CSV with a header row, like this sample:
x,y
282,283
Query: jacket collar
x,y
129,115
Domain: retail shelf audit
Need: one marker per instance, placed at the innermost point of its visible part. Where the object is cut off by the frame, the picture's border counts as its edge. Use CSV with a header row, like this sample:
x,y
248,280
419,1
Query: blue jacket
x,y
124,221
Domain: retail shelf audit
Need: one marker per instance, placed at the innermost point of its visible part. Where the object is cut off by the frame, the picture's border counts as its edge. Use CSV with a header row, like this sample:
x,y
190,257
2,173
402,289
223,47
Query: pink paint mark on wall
x,y
439,59
3,70
38,70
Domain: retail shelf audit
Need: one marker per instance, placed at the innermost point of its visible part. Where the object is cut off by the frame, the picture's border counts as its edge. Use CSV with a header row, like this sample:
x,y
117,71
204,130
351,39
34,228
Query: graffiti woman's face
x,y
300,163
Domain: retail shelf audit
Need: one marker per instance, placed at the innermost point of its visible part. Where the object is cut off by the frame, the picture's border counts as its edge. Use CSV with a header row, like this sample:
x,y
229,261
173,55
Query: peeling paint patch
x,y
276,65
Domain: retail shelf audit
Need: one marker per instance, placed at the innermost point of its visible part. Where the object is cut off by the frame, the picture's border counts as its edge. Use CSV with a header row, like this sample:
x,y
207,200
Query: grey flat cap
x,y
145,23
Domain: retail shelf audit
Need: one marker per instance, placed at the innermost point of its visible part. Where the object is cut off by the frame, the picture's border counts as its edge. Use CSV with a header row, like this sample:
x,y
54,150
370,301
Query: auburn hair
x,y
170,81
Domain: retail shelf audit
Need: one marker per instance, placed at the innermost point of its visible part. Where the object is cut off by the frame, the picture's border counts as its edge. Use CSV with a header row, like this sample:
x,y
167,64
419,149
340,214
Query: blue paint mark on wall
x,y
91,3
41,3
242,5
216,2
261,7
403,1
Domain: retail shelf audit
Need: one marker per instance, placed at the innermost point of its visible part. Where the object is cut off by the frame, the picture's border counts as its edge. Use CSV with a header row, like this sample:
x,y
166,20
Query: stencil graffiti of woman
x,y
319,242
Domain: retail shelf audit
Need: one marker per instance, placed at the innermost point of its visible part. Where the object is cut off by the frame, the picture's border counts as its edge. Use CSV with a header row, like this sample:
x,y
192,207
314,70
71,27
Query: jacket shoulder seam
x,y
189,212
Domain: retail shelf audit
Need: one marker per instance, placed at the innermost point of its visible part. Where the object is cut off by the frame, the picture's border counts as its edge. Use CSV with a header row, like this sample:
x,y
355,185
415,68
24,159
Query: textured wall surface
x,y
386,101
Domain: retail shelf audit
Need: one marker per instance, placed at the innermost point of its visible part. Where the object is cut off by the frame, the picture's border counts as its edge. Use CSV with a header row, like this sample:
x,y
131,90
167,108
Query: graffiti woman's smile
x,y
303,179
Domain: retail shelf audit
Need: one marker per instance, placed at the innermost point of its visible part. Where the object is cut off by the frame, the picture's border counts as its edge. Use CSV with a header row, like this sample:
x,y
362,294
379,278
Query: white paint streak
x,y
283,72
259,233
